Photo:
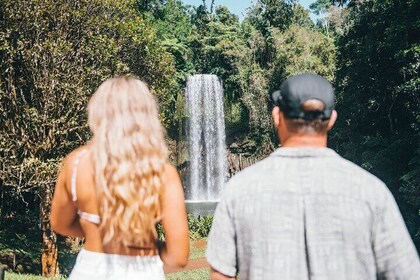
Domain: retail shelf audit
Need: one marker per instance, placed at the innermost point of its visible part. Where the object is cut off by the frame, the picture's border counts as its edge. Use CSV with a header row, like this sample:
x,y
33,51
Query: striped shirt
x,y
307,213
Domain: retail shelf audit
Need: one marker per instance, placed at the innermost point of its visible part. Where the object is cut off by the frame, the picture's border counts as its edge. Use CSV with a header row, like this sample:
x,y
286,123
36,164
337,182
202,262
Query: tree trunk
x,y
212,8
49,256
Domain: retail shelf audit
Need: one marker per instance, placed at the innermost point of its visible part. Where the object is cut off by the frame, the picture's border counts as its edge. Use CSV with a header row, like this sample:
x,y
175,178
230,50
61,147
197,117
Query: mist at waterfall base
x,y
207,147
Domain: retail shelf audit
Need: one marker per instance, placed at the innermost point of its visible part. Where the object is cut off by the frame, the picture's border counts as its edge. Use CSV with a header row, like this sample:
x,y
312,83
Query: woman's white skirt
x,y
91,265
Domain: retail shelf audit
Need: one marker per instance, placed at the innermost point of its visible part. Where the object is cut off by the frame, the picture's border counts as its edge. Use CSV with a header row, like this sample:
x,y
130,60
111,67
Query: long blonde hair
x,y
129,154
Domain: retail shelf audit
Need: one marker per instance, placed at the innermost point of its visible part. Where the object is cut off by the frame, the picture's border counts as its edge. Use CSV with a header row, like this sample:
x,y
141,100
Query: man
x,y
304,212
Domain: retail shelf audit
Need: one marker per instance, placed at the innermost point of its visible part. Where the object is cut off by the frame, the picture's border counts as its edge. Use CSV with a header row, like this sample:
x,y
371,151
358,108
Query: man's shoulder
x,y
352,170
342,172
358,182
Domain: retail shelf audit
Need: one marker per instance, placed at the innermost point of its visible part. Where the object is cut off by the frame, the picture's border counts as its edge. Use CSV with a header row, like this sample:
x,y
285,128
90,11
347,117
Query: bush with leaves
x,y
199,226
53,55
378,97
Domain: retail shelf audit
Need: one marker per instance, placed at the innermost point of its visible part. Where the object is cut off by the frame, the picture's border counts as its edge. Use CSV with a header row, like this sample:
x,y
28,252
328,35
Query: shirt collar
x,y
302,152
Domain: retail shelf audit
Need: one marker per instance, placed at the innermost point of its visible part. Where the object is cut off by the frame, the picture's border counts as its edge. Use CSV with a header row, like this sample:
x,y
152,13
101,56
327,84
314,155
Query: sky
x,y
239,7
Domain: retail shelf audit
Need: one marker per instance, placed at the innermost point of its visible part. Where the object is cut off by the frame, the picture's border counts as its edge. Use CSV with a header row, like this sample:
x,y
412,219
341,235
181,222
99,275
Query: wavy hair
x,y
129,154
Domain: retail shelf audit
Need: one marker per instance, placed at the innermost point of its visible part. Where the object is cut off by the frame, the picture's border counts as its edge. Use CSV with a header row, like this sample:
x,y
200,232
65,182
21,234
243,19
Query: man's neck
x,y
309,141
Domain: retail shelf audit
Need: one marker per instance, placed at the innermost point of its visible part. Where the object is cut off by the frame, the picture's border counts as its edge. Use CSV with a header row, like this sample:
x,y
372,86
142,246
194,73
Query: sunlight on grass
x,y
16,276
186,275
196,253
190,275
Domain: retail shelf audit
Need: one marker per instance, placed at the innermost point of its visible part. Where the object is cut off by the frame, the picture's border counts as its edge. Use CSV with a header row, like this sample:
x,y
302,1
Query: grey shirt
x,y
307,213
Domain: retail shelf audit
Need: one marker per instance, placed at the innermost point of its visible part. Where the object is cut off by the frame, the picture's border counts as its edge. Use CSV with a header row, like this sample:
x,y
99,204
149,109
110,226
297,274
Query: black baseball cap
x,y
296,92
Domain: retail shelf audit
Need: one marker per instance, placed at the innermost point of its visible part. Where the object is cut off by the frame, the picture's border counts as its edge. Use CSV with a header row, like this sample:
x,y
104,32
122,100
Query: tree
x,y
220,49
211,6
53,55
302,50
224,16
266,15
174,29
277,13
301,17
154,7
297,50
321,8
378,97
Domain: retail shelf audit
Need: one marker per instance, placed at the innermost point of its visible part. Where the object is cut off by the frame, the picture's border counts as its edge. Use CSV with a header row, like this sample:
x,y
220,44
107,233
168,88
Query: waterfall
x,y
207,149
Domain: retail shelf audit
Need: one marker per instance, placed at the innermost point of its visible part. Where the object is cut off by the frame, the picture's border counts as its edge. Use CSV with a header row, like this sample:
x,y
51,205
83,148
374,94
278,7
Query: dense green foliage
x,y
53,54
199,226
251,58
378,81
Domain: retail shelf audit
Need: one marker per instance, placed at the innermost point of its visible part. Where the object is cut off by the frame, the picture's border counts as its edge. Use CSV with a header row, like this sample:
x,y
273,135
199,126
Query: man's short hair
x,y
301,126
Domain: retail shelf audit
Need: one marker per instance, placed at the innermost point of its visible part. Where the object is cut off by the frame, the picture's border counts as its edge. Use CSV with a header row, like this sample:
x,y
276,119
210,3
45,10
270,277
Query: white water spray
x,y
206,137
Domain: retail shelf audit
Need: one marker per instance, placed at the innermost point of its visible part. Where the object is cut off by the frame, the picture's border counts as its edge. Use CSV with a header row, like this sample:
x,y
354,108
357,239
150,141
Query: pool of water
x,y
201,208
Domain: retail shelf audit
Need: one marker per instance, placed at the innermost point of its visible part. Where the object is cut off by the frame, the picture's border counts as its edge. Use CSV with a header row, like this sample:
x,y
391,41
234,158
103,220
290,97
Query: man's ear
x,y
332,120
276,116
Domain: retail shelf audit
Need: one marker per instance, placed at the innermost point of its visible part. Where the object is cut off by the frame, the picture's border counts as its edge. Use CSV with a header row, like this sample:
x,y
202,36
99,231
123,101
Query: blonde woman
x,y
114,190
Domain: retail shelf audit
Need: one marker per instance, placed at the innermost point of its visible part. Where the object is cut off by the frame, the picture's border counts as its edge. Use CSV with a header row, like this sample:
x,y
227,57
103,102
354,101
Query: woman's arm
x,y
174,252
63,218
216,275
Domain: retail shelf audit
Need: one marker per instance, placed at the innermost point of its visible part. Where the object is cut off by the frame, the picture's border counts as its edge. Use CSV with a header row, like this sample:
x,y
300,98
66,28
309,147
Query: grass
x,y
186,275
17,276
196,252
197,274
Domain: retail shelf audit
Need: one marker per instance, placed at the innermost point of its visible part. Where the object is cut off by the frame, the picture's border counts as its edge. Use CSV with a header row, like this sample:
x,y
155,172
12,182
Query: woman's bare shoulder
x,y
170,170
70,158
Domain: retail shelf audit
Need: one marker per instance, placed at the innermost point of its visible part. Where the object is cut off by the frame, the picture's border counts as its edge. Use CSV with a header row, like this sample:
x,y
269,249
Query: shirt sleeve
x,y
221,247
395,253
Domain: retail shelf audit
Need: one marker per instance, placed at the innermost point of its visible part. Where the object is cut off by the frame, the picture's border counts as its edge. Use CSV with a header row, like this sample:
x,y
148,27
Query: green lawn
x,y
16,276
196,253
198,274
187,275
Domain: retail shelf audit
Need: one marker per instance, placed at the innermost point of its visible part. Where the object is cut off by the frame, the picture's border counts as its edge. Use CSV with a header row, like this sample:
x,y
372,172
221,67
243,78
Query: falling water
x,y
206,137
